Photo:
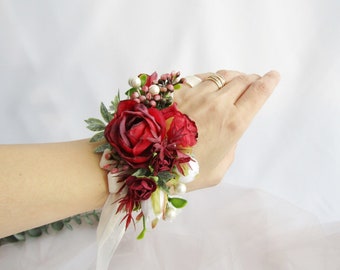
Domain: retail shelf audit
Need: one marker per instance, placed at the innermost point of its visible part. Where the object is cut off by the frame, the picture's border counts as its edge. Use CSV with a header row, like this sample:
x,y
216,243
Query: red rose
x,y
134,130
182,130
140,188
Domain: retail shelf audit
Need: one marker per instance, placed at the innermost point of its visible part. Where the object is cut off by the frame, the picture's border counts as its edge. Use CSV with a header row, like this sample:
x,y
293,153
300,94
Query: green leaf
x,y
97,137
114,103
101,148
77,219
68,226
177,86
165,176
131,91
95,215
58,225
20,236
142,233
143,78
141,172
95,124
177,202
105,113
88,220
34,232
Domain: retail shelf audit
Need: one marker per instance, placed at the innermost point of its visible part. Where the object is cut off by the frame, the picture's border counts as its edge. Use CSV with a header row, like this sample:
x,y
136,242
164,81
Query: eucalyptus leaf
x,y
58,225
20,236
88,220
114,103
177,202
97,137
68,226
95,124
95,215
141,172
77,219
165,176
105,113
102,147
34,232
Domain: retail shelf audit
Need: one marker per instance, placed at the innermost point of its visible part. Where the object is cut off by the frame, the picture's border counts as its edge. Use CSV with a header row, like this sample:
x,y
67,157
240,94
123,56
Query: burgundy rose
x,y
134,130
182,130
140,188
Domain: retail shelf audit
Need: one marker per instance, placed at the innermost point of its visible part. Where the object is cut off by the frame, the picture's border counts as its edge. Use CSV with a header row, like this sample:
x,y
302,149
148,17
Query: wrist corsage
x,y
147,153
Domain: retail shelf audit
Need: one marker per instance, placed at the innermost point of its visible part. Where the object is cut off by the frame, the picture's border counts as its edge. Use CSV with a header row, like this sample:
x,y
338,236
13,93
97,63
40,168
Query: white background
x,y
60,59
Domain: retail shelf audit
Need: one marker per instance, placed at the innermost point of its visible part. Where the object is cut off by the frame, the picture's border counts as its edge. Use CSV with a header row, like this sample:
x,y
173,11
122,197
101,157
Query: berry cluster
x,y
153,91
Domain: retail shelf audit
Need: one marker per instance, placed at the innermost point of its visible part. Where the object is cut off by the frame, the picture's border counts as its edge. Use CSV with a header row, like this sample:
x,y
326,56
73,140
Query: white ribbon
x,y
110,229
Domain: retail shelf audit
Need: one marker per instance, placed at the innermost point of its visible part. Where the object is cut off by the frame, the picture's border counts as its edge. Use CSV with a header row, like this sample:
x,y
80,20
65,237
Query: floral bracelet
x,y
146,146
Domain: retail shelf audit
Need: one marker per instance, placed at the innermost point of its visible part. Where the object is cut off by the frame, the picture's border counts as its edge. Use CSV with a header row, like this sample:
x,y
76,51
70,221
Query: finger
x,y
250,102
234,89
210,86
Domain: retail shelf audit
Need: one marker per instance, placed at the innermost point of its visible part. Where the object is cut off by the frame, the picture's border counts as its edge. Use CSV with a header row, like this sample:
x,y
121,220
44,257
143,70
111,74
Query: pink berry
x,y
157,97
148,96
134,95
153,103
142,98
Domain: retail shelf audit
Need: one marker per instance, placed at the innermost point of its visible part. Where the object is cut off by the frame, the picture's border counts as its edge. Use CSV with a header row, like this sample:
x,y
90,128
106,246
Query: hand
x,y
222,116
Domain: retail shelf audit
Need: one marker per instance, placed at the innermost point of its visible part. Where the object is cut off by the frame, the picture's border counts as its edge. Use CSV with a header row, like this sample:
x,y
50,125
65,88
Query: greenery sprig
x,y
90,218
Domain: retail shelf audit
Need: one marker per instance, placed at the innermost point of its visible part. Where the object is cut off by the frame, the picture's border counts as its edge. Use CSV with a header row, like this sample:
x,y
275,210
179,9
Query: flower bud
x,y
135,82
170,87
154,89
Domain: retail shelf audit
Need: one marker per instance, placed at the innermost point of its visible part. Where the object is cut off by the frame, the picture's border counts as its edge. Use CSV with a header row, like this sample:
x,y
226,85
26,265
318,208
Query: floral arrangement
x,y
147,149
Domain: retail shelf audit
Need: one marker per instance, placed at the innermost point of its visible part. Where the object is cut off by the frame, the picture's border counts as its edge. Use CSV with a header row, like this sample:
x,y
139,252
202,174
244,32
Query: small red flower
x,y
138,189
182,130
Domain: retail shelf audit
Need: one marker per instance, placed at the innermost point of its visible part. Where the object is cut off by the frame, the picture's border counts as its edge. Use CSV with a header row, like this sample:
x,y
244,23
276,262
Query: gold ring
x,y
192,81
217,79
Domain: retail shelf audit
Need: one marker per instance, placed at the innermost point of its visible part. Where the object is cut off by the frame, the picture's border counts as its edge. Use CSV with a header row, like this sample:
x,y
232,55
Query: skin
x,y
42,183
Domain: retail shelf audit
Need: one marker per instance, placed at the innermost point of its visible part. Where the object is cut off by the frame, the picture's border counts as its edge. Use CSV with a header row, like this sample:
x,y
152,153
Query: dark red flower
x,y
182,130
138,189
134,130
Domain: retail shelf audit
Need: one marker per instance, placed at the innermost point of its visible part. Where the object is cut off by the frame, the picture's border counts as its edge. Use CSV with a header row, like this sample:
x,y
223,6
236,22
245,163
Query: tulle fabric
x,y
221,228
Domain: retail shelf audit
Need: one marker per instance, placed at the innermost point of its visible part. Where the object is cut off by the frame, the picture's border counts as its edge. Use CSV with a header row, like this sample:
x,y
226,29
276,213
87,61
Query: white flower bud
x,y
135,82
190,173
147,206
154,89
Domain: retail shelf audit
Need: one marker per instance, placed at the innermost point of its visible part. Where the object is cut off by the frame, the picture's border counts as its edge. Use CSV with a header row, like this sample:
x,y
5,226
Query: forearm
x,y
41,183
